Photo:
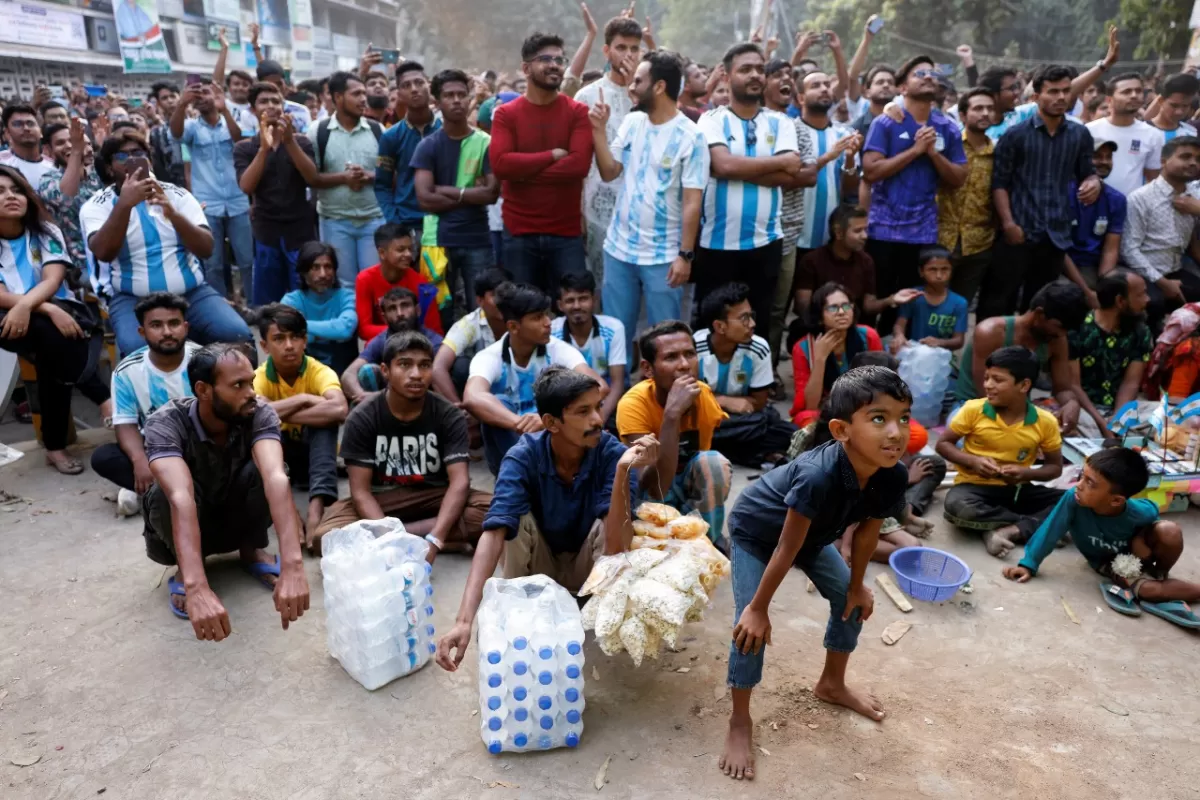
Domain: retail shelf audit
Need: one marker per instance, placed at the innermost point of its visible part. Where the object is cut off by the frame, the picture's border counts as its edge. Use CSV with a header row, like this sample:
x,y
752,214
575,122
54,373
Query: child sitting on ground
x,y
1002,434
937,316
1106,524
794,515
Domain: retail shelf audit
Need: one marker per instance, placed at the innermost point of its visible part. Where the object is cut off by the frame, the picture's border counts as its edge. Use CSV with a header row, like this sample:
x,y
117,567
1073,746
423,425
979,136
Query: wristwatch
x,y
1100,65
688,255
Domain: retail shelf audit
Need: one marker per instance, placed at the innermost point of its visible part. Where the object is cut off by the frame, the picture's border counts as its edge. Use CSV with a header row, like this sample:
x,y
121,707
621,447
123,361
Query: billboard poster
x,y
143,48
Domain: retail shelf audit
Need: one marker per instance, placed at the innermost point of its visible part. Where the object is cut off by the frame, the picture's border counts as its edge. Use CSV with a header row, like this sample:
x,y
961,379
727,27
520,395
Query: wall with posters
x,y
42,27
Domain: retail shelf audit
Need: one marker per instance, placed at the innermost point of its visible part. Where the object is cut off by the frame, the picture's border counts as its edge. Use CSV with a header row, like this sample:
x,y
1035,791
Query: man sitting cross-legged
x,y
219,483
365,373
406,451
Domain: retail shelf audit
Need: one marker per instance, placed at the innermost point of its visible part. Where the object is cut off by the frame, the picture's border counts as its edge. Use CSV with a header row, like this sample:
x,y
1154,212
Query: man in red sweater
x,y
395,268
541,151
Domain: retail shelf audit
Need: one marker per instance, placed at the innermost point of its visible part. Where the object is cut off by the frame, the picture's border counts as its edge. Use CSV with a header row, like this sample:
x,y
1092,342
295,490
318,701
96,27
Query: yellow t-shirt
x,y
985,434
639,413
314,378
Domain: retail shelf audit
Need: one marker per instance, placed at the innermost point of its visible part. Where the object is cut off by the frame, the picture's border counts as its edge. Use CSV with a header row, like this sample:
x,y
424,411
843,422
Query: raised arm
x,y
1086,79
218,75
859,62
580,59
609,168
73,173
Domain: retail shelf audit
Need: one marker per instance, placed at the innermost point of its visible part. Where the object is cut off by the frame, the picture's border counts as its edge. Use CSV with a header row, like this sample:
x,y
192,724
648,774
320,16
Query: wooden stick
x,y
889,587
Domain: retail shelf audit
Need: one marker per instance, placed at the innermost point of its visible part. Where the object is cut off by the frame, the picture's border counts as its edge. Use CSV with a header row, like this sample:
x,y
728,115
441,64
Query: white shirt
x,y
749,370
822,199
605,345
599,197
470,334
152,258
32,170
1139,147
513,385
139,388
739,215
658,162
22,260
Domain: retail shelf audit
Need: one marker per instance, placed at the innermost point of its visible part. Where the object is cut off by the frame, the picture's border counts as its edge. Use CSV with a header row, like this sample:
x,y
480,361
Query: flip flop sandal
x,y
1120,599
72,466
1175,611
260,570
176,589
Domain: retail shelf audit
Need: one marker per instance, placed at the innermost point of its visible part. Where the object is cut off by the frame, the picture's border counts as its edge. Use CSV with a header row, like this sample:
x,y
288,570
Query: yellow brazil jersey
x,y
314,378
985,434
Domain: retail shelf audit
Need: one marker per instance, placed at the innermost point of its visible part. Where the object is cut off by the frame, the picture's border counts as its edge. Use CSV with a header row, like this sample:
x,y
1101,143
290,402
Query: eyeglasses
x,y
23,123
839,308
924,73
1012,87
121,156
745,318
557,61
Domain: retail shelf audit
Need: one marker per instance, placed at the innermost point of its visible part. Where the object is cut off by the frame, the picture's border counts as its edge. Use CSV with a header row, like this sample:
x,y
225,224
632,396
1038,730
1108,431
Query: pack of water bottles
x,y
530,666
926,370
378,600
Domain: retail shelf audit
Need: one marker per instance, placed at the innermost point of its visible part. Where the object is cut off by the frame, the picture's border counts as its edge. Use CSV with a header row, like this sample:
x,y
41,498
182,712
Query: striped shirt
x,y
739,215
605,345
513,385
791,217
152,258
22,260
821,200
658,163
139,388
1183,130
748,371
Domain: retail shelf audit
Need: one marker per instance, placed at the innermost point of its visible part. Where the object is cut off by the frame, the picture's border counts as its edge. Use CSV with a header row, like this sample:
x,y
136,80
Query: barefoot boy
x,y
793,515
1104,523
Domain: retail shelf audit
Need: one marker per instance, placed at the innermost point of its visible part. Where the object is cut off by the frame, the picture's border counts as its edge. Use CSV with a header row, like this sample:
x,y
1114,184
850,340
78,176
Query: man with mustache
x,y
401,311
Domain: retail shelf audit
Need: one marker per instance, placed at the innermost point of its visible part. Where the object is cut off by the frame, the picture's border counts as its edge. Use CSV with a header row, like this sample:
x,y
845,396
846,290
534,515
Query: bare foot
x,y
737,761
998,542
921,528
842,695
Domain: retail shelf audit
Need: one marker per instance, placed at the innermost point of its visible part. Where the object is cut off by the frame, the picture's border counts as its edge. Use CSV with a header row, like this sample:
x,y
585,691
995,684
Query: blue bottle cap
x,y
494,681
521,714
547,722
573,716
573,648
520,693
544,703
520,667
572,671
494,748
520,740
572,740
520,642
428,568
428,590
546,653
544,742
429,630
493,657
545,678
493,703
572,695
494,724
432,648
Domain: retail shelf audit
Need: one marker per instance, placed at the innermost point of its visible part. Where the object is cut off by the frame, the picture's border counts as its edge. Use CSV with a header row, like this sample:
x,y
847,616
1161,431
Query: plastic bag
x,y
681,572
656,513
650,529
669,605
611,612
689,527
633,639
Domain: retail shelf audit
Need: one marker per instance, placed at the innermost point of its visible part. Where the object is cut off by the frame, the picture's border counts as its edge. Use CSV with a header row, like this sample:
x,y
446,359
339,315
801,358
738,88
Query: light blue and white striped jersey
x,y
748,371
658,163
1015,117
22,260
139,388
605,345
739,215
1183,130
152,257
513,385
821,200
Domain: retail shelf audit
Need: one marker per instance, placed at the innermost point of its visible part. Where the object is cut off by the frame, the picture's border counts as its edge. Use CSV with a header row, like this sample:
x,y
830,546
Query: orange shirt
x,y
639,413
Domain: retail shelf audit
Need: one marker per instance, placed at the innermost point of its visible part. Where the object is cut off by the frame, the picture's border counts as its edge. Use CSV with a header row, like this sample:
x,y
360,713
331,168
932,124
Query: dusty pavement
x,y
995,694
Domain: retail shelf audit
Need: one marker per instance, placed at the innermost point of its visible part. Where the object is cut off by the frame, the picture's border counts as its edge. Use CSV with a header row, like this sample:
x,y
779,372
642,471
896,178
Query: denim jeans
x,y
210,319
540,259
312,461
354,241
274,272
469,263
829,573
237,230
625,286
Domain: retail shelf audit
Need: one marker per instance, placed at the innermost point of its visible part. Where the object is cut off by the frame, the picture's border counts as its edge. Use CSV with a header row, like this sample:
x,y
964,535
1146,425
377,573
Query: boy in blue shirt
x,y
1105,522
795,515
937,317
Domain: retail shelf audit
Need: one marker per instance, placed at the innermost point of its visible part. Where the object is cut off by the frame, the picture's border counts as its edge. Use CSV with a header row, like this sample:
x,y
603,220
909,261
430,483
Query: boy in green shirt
x,y
1107,524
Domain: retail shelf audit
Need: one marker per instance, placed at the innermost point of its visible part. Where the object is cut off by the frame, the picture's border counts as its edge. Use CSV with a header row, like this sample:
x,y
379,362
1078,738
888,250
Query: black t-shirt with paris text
x,y
405,453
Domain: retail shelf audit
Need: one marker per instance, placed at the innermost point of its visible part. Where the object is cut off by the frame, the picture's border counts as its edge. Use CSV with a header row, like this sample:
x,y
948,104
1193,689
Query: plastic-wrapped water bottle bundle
x,y
530,666
926,370
378,600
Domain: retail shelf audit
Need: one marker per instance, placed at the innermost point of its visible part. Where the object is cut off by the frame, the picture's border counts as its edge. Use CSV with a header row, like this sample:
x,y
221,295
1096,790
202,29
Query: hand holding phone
x,y
875,24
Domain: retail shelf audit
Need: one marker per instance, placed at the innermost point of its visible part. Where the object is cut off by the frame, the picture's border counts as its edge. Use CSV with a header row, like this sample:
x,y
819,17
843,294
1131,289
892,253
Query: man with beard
x,y
622,51
600,339
754,156
563,498
966,219
378,97
165,154
662,161
906,162
24,137
1033,166
879,91
365,373
70,184
695,83
541,151
210,138
1096,229
406,452
219,484
1137,159
145,381
394,186
834,148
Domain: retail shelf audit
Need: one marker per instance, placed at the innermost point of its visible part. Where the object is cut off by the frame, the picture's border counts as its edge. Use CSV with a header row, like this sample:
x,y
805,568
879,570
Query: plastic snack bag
x,y
611,612
656,513
644,528
633,639
689,527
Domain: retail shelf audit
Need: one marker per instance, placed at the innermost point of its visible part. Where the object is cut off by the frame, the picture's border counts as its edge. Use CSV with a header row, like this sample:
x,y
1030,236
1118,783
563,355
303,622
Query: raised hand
x,y
589,22
1114,47
254,35
222,39
599,113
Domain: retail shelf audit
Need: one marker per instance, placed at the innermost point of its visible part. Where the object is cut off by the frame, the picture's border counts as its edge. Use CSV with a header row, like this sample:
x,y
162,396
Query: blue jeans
x,y
541,259
626,284
237,230
470,263
829,573
354,241
312,461
210,319
497,247
274,272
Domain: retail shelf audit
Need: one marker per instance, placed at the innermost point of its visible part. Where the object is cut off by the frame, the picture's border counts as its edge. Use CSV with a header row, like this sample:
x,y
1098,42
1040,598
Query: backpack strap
x,y
322,142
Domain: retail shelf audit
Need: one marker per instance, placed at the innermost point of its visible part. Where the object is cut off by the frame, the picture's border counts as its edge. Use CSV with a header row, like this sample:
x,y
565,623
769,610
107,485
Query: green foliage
x,y
1161,26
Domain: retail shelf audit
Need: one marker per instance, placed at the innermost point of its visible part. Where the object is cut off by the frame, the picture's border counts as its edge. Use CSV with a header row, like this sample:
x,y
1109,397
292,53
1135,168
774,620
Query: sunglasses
x,y
121,156
839,308
924,73
558,61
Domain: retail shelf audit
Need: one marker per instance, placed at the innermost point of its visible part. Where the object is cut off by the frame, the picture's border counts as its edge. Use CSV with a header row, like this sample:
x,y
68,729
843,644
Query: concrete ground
x,y
993,694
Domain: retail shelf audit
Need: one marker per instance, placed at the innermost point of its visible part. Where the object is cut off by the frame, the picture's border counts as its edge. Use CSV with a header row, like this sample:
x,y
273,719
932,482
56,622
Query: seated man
x,y
600,338
1110,350
499,391
406,452
396,268
564,496
365,373
219,483
673,405
143,382
473,332
309,401
1002,435
736,364
1106,522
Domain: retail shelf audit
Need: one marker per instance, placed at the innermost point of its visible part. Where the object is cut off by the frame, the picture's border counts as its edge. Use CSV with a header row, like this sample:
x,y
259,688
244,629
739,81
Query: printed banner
x,y
43,27
275,27
142,46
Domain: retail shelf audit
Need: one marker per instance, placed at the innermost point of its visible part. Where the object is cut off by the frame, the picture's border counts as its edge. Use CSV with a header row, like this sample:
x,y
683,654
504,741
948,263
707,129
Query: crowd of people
x,y
435,264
